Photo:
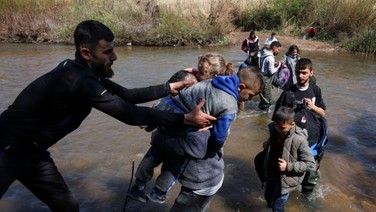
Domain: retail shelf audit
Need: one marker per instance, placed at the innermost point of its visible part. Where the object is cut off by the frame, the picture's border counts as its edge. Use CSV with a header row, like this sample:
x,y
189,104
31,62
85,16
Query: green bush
x,y
275,14
365,42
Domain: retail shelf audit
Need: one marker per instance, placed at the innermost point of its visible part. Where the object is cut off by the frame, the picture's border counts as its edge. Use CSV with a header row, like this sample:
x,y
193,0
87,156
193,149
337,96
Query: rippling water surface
x,y
96,159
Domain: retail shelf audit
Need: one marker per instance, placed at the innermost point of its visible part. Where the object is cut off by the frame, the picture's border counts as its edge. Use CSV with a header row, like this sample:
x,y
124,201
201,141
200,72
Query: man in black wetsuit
x,y
56,103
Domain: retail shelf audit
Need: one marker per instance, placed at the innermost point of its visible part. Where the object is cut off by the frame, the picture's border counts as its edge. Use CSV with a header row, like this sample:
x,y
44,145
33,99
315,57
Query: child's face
x,y
283,127
245,93
302,76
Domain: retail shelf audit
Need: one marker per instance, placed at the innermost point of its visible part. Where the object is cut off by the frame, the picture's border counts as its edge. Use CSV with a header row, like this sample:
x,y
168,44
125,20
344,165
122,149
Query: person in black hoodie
x,y
56,103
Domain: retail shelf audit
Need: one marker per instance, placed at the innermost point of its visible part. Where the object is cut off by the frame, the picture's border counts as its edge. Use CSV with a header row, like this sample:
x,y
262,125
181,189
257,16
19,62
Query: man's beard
x,y
101,70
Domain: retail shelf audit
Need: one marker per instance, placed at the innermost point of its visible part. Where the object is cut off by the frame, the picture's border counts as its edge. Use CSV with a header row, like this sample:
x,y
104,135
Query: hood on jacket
x,y
266,52
229,84
299,131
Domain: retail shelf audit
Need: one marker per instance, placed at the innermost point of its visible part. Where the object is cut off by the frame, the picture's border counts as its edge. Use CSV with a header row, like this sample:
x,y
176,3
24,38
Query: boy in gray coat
x,y
287,160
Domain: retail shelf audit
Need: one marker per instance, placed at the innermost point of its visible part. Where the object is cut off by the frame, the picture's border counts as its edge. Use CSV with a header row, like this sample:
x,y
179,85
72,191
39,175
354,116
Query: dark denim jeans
x,y
273,195
187,201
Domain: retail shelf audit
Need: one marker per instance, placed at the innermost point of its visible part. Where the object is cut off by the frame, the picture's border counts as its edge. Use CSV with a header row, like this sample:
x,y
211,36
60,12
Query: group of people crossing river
x,y
189,125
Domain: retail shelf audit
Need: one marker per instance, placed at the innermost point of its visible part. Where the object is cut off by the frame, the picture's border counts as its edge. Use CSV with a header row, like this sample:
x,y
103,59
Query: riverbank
x,y
237,38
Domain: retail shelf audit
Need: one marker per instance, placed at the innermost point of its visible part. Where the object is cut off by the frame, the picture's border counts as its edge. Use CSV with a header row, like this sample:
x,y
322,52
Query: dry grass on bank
x,y
349,23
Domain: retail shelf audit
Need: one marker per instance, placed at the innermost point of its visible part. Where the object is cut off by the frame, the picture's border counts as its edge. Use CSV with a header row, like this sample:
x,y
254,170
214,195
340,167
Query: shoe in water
x,y
157,196
137,194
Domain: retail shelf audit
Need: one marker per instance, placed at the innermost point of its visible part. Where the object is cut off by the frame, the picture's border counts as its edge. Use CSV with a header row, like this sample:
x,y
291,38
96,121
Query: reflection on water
x,y
96,160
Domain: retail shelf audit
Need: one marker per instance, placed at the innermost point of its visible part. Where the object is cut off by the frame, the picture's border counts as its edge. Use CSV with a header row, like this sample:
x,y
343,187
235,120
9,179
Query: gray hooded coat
x,y
296,153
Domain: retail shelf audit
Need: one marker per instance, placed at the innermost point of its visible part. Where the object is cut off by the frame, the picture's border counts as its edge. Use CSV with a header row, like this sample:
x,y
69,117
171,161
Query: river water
x,y
96,159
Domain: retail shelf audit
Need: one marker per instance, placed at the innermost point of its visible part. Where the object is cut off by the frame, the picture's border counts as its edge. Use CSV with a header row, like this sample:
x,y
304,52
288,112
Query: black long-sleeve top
x,y
56,103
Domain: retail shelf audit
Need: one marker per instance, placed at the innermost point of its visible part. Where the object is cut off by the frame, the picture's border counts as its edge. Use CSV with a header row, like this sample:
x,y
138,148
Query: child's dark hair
x,y
252,78
178,76
304,63
182,75
284,114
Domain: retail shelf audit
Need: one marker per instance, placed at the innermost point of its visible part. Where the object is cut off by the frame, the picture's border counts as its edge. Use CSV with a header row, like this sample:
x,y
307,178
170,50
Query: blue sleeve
x,y
220,129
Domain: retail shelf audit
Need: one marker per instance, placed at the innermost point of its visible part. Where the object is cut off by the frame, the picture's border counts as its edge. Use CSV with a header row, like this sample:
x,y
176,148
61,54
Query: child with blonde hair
x,y
211,65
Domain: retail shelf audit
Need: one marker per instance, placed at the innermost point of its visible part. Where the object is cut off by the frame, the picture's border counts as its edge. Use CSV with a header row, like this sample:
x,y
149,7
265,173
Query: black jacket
x,y
56,103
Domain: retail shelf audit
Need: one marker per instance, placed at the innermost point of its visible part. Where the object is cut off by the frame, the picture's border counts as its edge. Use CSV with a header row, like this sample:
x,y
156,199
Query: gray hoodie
x,y
267,62
221,95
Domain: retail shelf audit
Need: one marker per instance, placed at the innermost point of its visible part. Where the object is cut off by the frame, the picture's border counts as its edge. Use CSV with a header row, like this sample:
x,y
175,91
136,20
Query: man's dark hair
x,y
275,44
284,114
303,63
89,32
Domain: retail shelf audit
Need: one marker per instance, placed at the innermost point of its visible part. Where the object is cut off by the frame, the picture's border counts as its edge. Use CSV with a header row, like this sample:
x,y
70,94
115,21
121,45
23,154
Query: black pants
x,y
40,175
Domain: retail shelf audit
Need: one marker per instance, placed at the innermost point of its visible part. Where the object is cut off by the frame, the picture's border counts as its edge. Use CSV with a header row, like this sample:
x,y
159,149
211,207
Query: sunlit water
x,y
96,159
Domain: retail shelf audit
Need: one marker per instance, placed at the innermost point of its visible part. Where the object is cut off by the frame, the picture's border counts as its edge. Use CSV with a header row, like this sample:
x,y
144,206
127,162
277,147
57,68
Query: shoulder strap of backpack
x,y
262,62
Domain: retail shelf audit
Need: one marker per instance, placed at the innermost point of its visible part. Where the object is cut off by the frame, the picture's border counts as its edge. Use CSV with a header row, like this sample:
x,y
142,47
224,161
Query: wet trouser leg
x,y
187,201
145,169
170,172
311,179
9,170
273,196
40,175
266,93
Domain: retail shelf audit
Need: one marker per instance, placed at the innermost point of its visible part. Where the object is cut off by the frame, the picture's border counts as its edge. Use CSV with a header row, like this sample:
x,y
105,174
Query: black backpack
x,y
259,161
316,126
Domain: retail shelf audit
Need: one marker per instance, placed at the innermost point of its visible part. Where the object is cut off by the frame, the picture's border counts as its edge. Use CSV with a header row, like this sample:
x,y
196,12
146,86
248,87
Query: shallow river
x,y
96,159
